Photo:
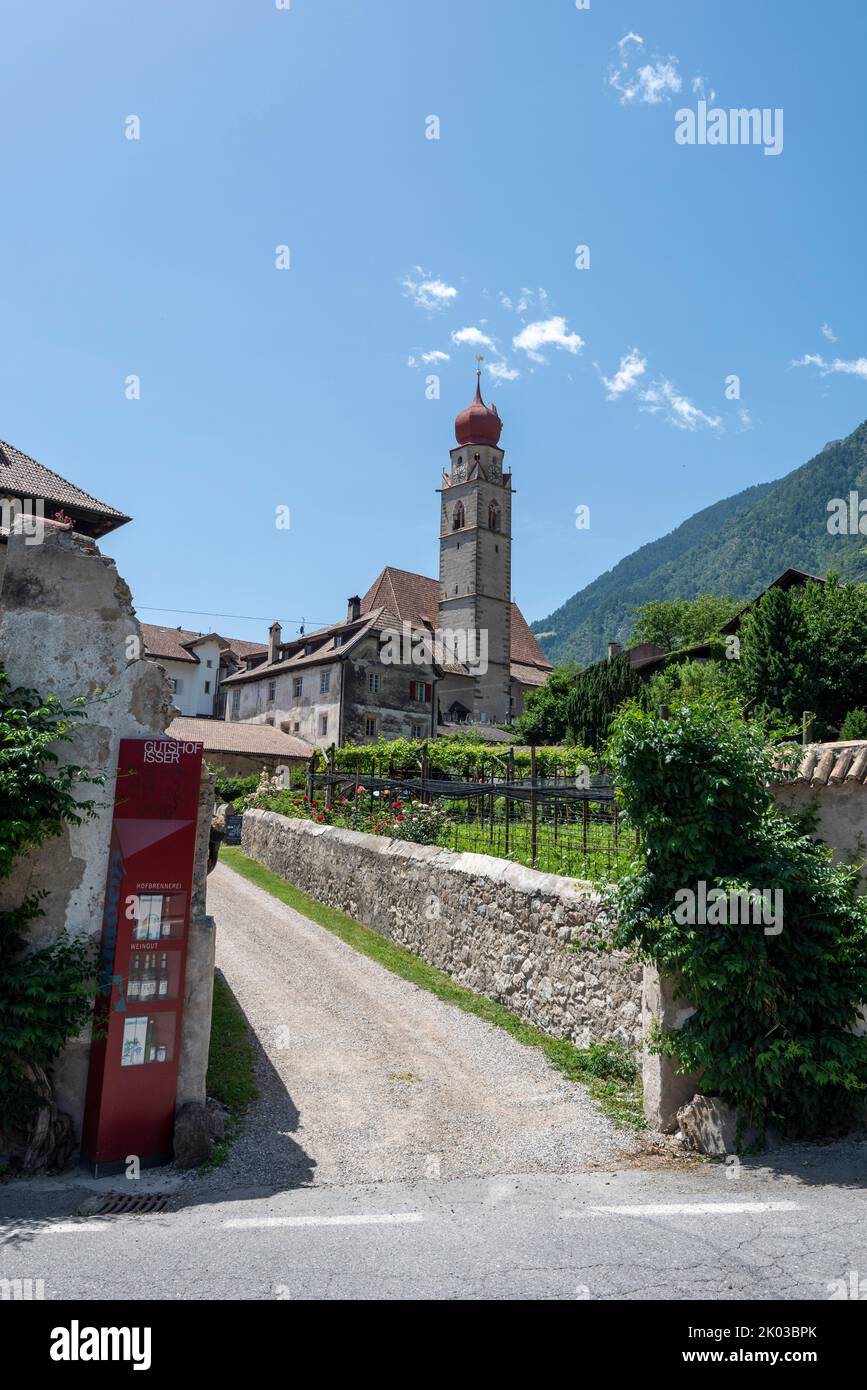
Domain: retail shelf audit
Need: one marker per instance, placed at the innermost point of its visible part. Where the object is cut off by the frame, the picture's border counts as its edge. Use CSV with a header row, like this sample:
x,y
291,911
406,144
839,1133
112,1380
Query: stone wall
x,y
68,628
508,932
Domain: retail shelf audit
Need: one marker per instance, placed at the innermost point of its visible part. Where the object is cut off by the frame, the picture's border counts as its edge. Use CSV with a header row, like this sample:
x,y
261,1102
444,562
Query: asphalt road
x,y
628,1235
484,1176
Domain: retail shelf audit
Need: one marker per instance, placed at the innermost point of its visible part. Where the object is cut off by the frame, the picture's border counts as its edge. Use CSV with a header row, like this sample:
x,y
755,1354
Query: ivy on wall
x,y
45,995
774,1009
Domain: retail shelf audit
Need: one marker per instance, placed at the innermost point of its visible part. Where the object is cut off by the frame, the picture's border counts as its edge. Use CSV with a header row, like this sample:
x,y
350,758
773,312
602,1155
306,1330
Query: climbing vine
x,y
775,1006
46,994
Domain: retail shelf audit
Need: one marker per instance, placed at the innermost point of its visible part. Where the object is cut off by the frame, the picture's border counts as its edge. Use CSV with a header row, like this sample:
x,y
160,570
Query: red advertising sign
x,y
134,1055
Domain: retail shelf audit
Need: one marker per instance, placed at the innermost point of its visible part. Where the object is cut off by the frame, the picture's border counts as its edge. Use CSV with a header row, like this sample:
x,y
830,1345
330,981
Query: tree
x,y
595,696
681,622
544,717
775,670
680,682
835,617
805,650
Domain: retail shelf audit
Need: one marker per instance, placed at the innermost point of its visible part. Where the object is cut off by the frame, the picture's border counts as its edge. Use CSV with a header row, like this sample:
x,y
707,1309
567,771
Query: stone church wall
x,y
515,935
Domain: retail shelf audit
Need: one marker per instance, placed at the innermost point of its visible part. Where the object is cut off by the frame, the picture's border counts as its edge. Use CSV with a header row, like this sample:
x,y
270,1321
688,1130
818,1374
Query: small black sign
x,y
233,830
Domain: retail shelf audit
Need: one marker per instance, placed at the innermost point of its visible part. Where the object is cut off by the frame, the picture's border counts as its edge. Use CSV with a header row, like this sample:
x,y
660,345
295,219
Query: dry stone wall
x,y
515,935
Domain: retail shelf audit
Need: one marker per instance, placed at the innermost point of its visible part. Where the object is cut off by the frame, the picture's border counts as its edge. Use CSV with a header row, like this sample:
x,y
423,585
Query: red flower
x,y
320,818
398,817
396,805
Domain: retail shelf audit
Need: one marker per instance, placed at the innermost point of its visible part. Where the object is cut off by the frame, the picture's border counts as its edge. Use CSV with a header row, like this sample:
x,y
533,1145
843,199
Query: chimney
x,y
353,609
613,650
275,633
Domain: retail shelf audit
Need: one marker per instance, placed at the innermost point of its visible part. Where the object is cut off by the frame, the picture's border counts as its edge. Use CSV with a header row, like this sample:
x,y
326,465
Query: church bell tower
x,y
476,563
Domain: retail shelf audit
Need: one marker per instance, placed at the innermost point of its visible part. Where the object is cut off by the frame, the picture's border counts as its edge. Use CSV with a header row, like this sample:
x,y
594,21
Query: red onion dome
x,y
479,423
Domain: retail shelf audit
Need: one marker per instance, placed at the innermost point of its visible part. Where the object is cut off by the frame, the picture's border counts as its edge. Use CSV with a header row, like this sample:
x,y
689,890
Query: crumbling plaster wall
x,y
68,628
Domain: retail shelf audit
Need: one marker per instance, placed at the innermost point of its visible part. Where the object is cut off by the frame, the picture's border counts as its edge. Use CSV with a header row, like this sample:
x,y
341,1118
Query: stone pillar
x,y
665,1088
199,982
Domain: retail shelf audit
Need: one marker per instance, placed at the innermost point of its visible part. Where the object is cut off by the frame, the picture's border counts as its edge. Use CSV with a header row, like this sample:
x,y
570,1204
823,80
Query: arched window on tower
x,y
493,517
458,517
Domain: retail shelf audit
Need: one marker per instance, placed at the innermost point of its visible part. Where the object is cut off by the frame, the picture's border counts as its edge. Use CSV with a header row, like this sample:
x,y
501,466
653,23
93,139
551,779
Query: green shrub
x,y
771,1032
392,816
854,725
457,757
232,788
47,995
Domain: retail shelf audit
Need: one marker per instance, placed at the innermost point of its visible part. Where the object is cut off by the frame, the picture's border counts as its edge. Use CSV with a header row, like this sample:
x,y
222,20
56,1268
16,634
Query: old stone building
x,y
415,656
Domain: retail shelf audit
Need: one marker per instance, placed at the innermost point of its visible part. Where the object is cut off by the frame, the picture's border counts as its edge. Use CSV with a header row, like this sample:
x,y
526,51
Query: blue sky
x,y
306,127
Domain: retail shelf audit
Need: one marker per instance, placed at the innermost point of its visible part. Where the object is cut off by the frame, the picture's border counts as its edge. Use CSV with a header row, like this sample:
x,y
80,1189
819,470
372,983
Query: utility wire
x,y
241,617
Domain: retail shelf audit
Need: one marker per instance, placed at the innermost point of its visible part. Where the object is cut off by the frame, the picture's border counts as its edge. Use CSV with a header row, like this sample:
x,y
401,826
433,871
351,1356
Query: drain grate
x,y
126,1204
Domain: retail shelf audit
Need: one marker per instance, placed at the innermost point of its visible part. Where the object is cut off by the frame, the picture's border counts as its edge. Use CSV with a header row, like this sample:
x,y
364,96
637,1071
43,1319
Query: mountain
x,y
734,547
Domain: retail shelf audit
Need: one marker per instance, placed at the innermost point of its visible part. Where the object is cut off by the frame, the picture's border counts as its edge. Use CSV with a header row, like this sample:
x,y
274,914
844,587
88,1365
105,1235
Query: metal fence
x,y
558,824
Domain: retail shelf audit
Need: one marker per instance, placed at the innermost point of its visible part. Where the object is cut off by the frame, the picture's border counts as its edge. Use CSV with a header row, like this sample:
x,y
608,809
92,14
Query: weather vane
x,y
480,359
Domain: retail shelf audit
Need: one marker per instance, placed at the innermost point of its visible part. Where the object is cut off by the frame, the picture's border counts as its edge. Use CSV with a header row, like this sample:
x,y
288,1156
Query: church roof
x,y
395,597
414,598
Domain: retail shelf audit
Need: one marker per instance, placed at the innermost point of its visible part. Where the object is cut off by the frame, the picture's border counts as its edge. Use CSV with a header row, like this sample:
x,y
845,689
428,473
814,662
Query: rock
x,y
193,1135
217,1113
709,1126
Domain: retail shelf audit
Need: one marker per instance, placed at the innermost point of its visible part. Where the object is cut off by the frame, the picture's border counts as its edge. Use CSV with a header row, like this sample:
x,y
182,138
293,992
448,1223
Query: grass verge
x,y
606,1069
231,1064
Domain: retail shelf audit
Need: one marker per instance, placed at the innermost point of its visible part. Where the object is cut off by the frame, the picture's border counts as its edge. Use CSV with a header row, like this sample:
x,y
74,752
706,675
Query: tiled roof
x,y
528,675
394,597
326,650
832,764
168,642
415,599
21,476
236,736
173,643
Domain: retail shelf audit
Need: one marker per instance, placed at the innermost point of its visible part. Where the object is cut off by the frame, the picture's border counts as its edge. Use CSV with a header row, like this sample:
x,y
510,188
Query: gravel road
x,y
366,1078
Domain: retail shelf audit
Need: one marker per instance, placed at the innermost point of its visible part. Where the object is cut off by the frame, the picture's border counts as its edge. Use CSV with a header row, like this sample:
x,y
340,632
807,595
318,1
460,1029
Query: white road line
x,y
58,1228
690,1209
396,1218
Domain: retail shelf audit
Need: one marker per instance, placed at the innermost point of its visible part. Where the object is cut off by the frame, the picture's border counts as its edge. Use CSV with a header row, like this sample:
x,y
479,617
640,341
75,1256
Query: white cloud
x,y
521,302
474,336
651,83
632,366
547,333
501,371
435,356
827,332
662,397
629,38
699,88
855,367
746,420
426,291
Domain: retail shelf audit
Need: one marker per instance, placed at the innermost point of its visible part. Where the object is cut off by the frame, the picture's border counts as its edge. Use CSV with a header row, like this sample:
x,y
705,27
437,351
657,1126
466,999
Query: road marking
x,y
691,1209
395,1218
59,1228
